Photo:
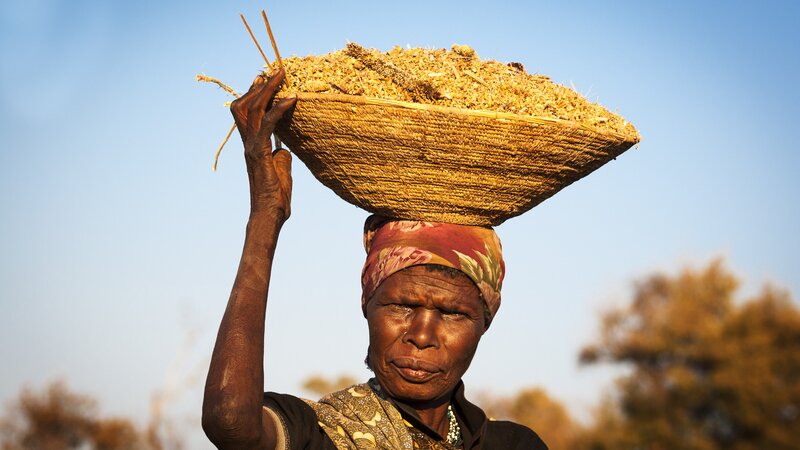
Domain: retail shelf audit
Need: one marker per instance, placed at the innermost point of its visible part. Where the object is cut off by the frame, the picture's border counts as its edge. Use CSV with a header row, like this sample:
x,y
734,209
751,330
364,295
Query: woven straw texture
x,y
434,163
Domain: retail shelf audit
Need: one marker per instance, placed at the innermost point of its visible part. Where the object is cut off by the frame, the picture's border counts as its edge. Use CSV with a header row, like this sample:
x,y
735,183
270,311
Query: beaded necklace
x,y
454,434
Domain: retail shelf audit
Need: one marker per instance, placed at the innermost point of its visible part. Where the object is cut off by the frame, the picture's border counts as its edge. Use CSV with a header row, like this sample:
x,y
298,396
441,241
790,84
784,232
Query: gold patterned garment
x,y
361,417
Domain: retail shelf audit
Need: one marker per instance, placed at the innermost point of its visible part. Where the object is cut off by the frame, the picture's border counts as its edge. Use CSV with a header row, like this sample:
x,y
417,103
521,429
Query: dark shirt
x,y
303,432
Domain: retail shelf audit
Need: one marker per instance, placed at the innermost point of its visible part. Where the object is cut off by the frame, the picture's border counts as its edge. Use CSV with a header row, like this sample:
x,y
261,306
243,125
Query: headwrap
x,y
394,244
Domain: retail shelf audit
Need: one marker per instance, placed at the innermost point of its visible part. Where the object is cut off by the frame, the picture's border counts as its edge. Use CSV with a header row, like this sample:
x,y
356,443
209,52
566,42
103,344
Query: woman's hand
x,y
270,174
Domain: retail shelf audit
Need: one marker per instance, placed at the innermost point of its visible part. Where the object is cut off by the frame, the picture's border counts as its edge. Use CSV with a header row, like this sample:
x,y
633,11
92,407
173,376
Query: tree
x,y
320,385
57,419
706,373
538,411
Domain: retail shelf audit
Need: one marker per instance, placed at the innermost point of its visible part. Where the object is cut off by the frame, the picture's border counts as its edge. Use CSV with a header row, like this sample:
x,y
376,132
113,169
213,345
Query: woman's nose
x,y
422,330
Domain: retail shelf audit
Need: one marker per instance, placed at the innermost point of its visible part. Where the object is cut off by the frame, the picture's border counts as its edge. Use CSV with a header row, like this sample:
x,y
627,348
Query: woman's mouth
x,y
414,370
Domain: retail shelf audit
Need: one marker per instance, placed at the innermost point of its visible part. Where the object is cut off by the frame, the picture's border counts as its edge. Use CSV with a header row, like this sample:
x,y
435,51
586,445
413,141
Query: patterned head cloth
x,y
393,245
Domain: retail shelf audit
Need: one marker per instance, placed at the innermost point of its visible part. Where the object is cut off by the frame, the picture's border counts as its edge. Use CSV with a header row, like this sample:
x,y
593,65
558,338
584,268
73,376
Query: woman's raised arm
x,y
232,404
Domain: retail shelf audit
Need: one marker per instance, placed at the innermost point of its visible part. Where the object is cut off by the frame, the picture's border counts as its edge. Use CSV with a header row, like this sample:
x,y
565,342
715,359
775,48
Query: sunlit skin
x,y
424,329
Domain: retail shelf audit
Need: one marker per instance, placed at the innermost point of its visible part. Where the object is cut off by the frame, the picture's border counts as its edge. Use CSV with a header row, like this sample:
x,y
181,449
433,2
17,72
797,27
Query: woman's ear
x,y
366,361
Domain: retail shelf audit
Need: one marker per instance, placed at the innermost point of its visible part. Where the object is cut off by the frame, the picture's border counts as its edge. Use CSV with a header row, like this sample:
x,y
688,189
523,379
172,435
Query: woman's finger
x,y
277,111
266,93
256,109
272,116
240,106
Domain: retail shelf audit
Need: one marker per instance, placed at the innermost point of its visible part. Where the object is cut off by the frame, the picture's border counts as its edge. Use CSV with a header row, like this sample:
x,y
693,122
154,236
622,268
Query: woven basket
x,y
433,163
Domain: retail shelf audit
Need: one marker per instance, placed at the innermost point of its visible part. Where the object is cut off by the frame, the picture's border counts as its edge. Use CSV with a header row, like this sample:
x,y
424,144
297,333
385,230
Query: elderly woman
x,y
430,291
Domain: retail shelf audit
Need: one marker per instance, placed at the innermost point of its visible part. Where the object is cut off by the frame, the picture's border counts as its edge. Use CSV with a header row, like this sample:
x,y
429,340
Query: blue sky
x,y
117,238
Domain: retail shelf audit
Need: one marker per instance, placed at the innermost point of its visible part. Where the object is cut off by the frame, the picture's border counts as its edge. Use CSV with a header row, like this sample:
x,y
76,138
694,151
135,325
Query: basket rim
x,y
504,116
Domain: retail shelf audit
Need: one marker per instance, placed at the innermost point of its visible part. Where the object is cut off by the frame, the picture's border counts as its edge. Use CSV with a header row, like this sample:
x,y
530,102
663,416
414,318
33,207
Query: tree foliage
x,y
534,408
60,419
320,385
707,372
57,419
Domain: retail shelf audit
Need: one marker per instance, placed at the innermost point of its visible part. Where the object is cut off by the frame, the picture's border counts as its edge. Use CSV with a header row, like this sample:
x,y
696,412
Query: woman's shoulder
x,y
297,421
513,436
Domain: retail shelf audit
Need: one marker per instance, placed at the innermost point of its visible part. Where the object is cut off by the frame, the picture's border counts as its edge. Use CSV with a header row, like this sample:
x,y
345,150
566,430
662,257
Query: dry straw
x,y
439,135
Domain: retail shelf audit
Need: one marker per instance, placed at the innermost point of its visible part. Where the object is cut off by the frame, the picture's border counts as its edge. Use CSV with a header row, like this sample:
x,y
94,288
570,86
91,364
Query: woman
x,y
429,293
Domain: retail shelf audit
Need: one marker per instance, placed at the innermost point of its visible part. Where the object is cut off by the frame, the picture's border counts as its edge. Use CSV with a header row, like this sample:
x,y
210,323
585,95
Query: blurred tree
x,y
319,385
58,419
706,373
536,410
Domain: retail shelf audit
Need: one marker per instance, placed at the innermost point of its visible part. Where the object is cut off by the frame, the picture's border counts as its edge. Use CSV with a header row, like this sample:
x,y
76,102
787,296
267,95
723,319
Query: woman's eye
x,y
399,307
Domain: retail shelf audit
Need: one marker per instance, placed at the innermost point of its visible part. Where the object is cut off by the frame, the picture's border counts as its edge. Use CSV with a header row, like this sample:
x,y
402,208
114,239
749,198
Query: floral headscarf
x,y
394,244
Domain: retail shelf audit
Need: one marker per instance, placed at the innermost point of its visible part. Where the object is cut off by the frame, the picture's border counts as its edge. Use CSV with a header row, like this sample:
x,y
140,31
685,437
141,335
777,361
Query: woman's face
x,y
424,328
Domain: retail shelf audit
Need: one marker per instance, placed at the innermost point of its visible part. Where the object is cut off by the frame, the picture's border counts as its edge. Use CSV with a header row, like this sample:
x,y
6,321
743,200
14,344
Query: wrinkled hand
x,y
270,174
